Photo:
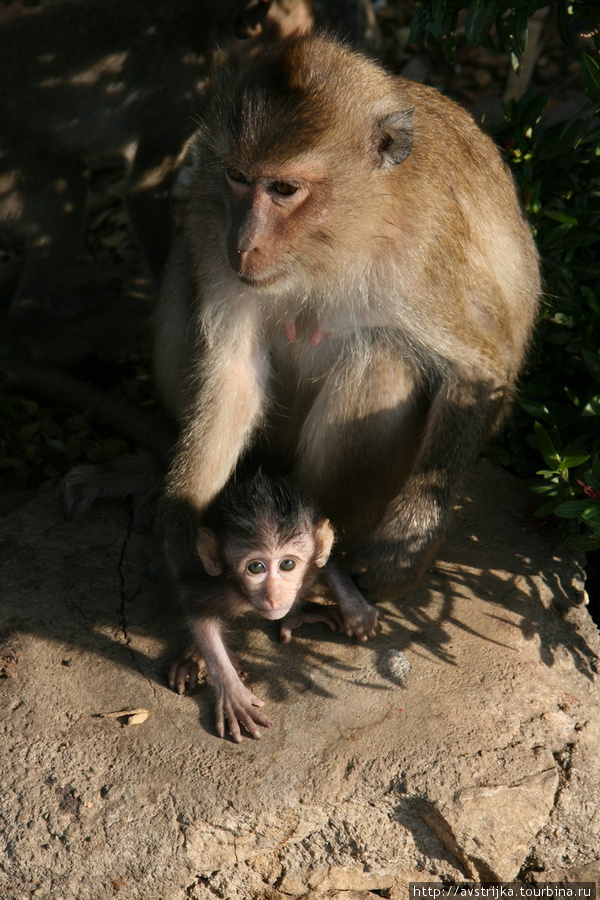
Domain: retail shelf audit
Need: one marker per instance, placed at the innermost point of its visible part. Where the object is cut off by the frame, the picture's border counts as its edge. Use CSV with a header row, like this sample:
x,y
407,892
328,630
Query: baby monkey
x,y
262,547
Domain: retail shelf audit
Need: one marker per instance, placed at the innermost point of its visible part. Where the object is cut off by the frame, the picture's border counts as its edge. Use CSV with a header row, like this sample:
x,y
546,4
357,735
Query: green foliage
x,y
557,168
575,499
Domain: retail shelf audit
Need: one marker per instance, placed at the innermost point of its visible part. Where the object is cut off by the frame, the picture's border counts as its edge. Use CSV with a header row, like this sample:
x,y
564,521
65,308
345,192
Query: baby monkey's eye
x,y
236,175
256,567
287,565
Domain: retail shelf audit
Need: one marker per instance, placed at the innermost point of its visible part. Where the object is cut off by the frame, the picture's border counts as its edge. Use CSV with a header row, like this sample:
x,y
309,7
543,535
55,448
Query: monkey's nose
x,y
273,599
244,259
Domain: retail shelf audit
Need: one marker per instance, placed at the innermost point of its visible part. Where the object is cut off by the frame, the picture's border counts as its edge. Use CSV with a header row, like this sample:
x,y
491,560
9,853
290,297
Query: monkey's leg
x,y
357,447
407,537
360,438
52,194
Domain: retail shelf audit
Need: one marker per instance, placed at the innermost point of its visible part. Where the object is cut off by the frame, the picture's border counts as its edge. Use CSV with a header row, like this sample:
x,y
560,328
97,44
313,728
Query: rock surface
x,y
460,744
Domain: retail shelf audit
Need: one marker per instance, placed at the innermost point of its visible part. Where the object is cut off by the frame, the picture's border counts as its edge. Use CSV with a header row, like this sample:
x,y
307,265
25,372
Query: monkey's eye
x,y
256,567
284,188
287,565
236,175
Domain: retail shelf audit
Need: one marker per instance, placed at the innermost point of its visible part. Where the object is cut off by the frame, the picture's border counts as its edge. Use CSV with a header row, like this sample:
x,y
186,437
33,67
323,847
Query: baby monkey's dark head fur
x,y
261,507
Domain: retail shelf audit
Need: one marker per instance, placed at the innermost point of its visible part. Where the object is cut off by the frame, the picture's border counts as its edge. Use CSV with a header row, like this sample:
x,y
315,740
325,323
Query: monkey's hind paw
x,y
362,622
310,613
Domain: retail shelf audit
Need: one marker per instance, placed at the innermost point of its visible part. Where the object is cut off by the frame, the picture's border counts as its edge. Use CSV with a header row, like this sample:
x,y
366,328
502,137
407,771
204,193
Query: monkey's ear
x,y
249,21
394,137
324,537
207,547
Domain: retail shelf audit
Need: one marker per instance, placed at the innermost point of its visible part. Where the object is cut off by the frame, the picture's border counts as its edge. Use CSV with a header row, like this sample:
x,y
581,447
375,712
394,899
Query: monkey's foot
x,y
359,617
361,620
309,613
236,705
184,675
386,569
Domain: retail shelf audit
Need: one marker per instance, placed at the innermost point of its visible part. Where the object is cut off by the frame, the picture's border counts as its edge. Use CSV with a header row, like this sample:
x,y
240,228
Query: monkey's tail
x,y
138,477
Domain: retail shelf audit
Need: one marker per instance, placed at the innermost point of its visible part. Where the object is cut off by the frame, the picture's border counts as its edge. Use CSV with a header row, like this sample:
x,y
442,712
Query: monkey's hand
x,y
309,613
235,705
184,675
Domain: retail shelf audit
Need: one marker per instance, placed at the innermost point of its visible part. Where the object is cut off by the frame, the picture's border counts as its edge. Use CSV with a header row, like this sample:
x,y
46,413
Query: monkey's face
x,y
270,216
272,577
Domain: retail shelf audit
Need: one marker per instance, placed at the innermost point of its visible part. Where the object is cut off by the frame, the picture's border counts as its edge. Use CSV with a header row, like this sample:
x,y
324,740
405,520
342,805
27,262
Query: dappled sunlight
x,y
512,603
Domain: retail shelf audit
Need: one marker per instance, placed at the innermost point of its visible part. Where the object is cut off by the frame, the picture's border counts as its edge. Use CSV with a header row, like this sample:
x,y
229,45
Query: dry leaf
x,y
131,716
137,718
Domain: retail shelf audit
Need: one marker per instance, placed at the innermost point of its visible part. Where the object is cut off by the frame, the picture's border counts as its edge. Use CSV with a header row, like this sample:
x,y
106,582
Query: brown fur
x,y
401,239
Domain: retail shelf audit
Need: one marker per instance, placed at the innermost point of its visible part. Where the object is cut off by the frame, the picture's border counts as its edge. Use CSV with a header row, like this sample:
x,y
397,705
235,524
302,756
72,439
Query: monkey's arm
x,y
235,705
223,414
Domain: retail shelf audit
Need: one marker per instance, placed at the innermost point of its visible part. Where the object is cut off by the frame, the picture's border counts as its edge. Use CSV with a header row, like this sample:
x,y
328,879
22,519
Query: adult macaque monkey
x,y
262,548
353,295
83,79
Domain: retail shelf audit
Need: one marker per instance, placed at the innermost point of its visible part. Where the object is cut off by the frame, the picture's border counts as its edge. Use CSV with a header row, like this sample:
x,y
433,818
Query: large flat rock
x,y
479,763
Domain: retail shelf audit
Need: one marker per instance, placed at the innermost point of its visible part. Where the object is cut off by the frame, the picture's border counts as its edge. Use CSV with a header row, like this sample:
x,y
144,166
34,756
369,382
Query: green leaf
x,y
592,408
559,337
442,26
590,72
564,17
536,410
577,509
586,543
548,489
418,25
546,447
522,20
561,217
592,361
481,15
574,459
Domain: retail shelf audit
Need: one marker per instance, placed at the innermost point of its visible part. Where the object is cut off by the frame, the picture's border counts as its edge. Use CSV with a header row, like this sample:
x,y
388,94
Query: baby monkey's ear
x,y
207,547
324,538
